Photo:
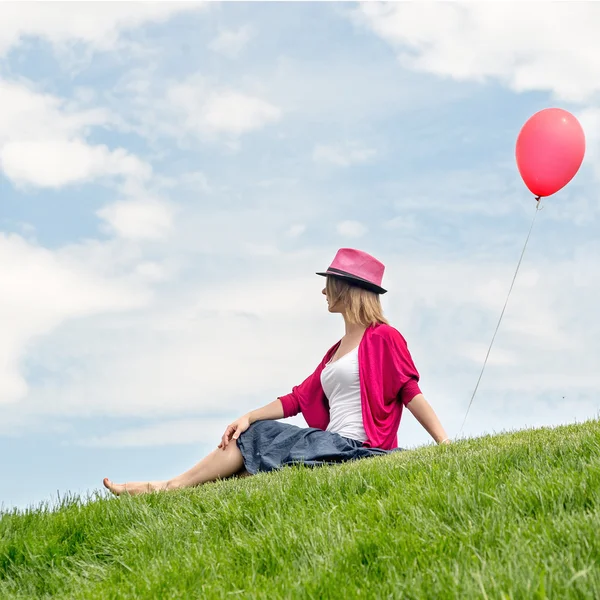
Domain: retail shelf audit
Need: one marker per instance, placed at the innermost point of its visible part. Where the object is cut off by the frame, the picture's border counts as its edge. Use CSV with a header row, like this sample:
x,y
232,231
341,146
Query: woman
x,y
352,403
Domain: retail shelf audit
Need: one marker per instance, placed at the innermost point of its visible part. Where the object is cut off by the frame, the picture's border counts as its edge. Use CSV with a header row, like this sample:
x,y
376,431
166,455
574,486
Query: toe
x,y
113,487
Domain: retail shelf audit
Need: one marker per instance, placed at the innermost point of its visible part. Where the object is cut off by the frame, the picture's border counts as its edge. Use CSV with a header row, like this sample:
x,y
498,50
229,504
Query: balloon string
x,y
537,209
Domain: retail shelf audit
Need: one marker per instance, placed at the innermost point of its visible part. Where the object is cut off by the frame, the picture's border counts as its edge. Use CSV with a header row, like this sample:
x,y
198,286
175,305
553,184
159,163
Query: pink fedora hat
x,y
357,268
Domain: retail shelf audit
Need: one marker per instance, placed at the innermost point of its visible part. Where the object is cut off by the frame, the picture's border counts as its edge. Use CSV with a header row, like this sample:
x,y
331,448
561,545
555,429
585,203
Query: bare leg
x,y
219,464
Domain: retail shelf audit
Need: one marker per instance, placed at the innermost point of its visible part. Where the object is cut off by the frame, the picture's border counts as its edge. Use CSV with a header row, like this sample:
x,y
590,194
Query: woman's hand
x,y
234,431
423,412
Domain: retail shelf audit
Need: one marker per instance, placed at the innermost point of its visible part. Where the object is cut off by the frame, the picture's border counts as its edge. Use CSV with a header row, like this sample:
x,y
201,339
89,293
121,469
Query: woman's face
x,y
324,292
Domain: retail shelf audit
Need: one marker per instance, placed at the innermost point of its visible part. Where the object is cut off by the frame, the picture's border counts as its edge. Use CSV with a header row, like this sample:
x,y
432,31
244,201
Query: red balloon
x,y
550,150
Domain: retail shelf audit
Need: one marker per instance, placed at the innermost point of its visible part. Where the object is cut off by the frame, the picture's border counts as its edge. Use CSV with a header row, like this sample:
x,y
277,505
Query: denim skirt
x,y
270,445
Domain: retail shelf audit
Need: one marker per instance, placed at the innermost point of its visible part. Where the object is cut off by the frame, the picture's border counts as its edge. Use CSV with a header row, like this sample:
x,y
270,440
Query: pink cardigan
x,y
388,382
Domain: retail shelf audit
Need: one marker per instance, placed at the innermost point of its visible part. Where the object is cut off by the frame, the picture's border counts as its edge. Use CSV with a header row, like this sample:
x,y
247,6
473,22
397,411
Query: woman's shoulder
x,y
386,331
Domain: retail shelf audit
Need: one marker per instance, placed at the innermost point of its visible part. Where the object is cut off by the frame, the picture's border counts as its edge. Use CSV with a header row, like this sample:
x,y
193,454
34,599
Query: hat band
x,y
334,271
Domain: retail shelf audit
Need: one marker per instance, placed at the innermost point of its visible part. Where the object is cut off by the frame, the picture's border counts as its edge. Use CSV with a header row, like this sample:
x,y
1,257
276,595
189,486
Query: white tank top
x,y
341,384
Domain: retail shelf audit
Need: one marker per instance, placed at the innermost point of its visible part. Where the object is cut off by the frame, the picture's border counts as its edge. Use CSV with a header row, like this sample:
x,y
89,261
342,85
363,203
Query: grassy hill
x,y
509,516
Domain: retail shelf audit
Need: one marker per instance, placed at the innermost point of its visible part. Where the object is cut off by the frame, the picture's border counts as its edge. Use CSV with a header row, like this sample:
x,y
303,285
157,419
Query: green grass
x,y
509,516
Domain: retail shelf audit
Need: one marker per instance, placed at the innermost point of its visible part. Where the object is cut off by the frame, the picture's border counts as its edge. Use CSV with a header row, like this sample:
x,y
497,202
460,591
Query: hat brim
x,y
356,281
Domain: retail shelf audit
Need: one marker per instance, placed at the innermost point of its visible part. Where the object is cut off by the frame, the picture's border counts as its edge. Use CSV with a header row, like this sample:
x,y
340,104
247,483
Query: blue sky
x,y
172,176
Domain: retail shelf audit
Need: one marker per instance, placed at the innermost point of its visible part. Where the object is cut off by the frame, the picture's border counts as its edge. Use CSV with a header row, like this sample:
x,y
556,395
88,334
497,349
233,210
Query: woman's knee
x,y
263,425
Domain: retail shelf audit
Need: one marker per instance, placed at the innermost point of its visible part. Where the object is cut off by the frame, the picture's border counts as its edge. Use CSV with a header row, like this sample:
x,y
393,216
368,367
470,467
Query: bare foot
x,y
133,489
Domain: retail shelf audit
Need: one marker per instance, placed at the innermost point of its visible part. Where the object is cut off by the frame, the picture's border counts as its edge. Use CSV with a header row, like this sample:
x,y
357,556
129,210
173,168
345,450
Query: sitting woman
x,y
352,402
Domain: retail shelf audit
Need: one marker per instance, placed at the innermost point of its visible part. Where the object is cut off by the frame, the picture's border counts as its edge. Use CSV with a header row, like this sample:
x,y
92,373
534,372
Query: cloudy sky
x,y
172,175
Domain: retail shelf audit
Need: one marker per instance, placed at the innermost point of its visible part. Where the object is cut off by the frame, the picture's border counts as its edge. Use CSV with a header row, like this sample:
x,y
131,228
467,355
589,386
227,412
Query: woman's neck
x,y
353,329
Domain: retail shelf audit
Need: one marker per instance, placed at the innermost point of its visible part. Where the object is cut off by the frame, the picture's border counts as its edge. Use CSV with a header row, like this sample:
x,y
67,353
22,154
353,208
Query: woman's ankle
x,y
172,484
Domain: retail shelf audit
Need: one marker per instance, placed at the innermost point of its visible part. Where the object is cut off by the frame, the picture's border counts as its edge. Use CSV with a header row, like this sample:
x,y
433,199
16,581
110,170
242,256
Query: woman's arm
x,y
272,411
422,411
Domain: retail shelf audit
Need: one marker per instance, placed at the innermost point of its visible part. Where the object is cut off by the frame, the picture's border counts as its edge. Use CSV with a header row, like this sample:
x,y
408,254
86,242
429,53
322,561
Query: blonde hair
x,y
361,306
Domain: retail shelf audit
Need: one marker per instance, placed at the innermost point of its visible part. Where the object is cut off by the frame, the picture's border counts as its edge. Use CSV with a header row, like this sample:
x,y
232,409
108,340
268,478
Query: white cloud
x,y
139,218
180,353
539,47
478,352
343,155
151,271
406,222
39,290
296,230
208,112
55,163
233,112
42,141
30,115
351,229
230,42
253,249
99,25
187,431
197,181
590,121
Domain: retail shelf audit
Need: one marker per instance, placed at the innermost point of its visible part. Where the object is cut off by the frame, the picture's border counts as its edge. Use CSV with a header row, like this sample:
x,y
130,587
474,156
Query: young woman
x,y
352,402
